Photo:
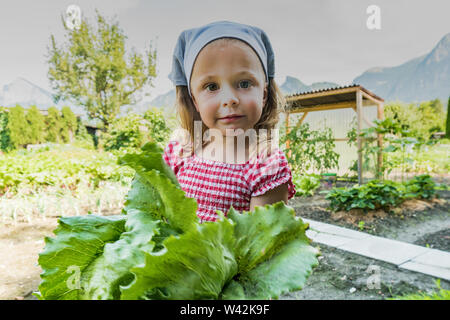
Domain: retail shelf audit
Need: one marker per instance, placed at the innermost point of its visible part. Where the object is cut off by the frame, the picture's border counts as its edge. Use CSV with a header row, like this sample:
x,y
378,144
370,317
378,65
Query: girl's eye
x,y
209,86
247,82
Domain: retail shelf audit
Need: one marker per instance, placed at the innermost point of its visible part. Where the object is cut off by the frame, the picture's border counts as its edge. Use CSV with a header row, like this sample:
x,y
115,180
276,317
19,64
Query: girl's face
x,y
228,78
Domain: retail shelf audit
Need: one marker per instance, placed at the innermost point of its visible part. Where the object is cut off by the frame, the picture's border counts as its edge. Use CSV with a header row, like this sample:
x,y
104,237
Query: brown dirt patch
x,y
20,245
354,216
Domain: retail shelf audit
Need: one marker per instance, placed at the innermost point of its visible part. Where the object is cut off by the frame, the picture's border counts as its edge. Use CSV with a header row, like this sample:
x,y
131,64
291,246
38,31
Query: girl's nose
x,y
229,97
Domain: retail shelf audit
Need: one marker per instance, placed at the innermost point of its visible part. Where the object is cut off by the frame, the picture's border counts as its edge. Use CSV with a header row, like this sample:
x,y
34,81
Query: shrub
x,y
36,124
306,185
18,128
381,194
5,134
373,195
421,187
123,133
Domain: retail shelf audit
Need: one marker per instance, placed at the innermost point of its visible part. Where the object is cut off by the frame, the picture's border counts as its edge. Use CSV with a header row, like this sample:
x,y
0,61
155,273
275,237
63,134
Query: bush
x,y
381,194
5,135
53,123
306,185
123,133
420,187
18,128
36,124
133,131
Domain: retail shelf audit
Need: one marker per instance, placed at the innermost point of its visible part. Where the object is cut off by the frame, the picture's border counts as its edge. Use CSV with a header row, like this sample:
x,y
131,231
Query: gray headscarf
x,y
191,41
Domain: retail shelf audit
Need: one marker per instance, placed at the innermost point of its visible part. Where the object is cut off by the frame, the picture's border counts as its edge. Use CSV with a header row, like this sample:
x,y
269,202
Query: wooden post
x,y
287,131
303,117
380,116
359,114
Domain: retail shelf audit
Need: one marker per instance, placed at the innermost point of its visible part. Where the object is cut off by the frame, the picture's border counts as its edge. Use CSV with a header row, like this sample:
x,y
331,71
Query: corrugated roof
x,y
320,90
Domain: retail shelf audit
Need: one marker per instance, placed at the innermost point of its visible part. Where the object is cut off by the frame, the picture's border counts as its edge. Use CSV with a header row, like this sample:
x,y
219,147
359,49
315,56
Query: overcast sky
x,y
313,40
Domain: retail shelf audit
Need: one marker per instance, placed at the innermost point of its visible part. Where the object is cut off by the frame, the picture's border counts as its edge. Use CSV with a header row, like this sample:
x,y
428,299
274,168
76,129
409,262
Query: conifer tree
x,y
53,124
17,126
36,125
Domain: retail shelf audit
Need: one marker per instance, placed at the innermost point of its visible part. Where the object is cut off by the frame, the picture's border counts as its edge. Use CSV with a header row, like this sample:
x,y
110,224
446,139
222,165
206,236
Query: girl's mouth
x,y
231,119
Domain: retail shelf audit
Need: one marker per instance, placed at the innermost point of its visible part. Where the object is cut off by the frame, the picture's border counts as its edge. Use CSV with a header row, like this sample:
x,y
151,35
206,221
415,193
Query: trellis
x,y
355,97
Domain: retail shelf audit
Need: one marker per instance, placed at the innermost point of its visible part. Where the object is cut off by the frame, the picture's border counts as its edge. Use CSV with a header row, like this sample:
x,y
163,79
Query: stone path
x,y
404,255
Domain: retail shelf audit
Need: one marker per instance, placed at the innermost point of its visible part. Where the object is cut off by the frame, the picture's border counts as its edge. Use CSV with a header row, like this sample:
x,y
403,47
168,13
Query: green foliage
x,y
133,131
5,134
17,126
439,294
57,166
93,71
158,250
123,132
311,149
420,187
68,125
36,124
306,185
421,121
54,125
373,195
158,129
378,194
82,138
399,147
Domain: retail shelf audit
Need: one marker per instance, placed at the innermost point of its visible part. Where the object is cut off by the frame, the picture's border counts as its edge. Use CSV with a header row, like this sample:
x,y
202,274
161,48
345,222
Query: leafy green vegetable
x,y
381,194
157,249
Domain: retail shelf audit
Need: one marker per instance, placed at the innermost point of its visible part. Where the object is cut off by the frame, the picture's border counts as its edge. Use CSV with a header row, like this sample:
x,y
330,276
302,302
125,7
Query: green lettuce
x,y
157,249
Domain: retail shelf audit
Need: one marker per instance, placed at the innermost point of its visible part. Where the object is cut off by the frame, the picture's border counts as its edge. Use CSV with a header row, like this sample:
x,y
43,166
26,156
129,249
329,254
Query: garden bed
x,y
342,275
422,222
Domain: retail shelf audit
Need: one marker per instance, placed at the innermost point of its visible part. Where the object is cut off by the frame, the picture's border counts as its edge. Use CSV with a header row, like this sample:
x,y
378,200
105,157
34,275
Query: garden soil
x,y
339,275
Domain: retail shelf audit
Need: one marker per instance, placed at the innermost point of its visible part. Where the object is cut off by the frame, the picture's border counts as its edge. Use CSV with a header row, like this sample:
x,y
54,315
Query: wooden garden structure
x,y
353,96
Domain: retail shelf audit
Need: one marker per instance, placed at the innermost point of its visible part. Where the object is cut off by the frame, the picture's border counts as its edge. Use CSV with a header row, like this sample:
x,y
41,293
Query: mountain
x,y
423,78
25,93
292,86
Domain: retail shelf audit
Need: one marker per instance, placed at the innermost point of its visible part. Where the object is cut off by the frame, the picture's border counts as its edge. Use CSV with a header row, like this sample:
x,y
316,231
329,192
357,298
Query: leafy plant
x,y
421,187
158,250
378,194
311,149
306,185
373,195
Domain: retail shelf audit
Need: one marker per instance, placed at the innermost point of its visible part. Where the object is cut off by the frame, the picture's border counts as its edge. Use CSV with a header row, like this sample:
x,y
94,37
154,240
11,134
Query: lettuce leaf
x,y
195,265
158,250
78,241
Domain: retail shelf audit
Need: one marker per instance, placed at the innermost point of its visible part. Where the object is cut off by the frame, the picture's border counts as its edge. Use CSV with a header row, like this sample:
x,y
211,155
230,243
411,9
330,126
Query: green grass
x,y
439,294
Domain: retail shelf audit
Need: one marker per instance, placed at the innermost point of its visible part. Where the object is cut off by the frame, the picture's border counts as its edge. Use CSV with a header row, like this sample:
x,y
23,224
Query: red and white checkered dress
x,y
218,185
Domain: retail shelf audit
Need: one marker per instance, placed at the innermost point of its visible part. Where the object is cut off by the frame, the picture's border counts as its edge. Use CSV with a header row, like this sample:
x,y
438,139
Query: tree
x,y
5,134
18,128
53,122
36,125
447,128
69,126
91,69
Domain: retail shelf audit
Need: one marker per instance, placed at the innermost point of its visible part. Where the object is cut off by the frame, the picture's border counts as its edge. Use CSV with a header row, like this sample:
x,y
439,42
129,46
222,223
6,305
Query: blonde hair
x,y
187,115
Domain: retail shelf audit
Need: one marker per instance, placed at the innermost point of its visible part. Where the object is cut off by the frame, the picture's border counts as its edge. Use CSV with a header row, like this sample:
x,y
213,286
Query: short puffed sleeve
x,y
171,155
270,172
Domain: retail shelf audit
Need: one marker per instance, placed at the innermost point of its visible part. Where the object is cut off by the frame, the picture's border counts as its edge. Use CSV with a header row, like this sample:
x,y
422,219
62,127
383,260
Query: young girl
x,y
224,78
